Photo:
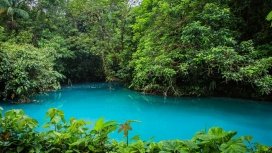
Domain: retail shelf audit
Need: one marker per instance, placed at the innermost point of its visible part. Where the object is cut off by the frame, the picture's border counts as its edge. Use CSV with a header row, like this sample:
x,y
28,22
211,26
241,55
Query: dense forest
x,y
167,47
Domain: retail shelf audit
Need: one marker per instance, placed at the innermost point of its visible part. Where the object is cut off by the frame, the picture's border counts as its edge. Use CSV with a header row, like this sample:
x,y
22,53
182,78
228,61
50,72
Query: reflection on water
x,y
164,118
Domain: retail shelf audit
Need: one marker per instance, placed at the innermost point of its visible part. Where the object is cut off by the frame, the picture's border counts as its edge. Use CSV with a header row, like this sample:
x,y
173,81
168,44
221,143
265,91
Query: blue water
x,y
170,118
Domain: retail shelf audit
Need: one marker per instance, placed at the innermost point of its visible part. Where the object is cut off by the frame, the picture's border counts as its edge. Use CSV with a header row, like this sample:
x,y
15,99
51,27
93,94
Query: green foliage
x,y
18,134
194,50
3,35
234,145
178,47
100,135
26,70
55,117
23,37
269,17
13,6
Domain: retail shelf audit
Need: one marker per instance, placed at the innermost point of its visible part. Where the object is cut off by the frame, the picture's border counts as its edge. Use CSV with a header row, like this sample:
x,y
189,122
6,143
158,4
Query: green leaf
x,y
92,148
57,133
61,114
234,146
261,148
136,137
110,123
76,151
190,144
171,146
130,121
88,122
20,148
59,126
56,119
78,142
149,141
47,125
22,13
51,112
99,124
72,119
247,138
38,147
206,137
111,129
269,16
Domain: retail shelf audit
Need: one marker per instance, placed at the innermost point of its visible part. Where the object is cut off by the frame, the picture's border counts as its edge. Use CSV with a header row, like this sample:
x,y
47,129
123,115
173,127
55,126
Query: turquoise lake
x,y
164,118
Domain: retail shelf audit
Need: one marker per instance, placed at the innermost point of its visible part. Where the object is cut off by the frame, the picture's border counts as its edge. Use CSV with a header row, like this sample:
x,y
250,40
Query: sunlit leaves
x,y
55,116
78,125
196,35
170,146
99,124
234,146
199,43
13,6
216,134
18,136
27,70
18,121
77,6
269,17
262,148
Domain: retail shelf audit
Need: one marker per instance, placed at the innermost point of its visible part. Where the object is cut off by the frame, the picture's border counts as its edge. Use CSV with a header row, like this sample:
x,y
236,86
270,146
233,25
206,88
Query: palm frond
x,y
22,13
10,11
4,4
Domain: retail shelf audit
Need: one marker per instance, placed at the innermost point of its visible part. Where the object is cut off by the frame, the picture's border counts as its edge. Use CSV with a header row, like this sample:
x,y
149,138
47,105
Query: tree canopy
x,y
167,47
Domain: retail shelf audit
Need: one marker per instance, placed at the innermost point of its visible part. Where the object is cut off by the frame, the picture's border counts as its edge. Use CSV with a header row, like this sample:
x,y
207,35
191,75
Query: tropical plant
x,y
269,17
100,133
26,70
55,116
125,127
217,140
12,7
196,51
18,134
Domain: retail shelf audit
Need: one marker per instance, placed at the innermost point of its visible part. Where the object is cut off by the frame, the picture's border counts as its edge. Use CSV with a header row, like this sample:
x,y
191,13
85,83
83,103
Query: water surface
x,y
170,118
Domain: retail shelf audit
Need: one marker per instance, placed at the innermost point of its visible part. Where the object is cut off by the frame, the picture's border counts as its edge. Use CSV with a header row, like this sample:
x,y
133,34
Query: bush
x,y
26,70
18,134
